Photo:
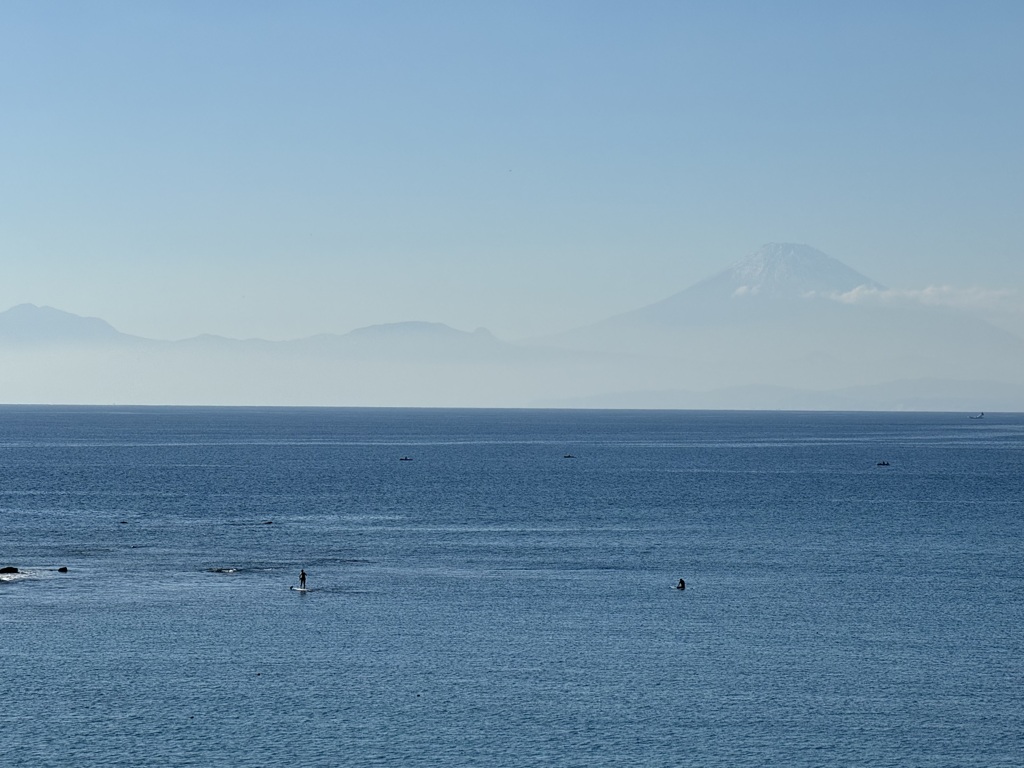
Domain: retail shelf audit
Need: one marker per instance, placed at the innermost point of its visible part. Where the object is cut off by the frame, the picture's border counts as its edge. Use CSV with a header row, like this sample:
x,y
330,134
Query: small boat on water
x,y
979,416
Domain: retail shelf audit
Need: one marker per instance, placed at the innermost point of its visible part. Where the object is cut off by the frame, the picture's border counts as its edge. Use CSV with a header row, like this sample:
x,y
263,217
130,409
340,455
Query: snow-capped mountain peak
x,y
790,269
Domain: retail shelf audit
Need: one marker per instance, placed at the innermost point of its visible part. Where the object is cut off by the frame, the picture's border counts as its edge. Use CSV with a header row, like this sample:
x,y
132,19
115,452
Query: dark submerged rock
x,y
9,569
62,569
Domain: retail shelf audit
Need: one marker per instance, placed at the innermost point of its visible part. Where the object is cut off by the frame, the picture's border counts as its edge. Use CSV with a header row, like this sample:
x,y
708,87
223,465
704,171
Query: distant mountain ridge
x,y
43,324
31,324
784,327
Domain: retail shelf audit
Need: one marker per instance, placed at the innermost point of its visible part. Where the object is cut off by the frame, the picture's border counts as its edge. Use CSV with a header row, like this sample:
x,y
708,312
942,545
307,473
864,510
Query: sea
x,y
499,588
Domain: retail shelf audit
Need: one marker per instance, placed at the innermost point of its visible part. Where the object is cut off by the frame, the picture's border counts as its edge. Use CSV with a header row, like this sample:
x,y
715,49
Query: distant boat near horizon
x,y
979,416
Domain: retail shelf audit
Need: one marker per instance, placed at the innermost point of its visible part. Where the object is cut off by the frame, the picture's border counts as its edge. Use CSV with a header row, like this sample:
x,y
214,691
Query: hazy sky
x,y
279,169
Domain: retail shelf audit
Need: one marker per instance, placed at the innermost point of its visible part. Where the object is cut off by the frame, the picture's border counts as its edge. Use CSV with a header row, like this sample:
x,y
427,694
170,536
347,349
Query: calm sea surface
x,y
491,602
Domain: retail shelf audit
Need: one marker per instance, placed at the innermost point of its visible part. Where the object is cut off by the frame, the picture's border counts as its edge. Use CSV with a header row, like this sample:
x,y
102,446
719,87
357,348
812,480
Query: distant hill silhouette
x,y
29,324
785,327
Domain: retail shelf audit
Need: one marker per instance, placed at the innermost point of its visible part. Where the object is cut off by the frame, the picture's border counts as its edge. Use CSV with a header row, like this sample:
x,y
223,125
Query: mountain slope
x,y
29,324
789,315
775,277
780,279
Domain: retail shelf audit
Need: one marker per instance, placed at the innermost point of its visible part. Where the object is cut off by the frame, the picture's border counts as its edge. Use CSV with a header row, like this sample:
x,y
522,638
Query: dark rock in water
x,y
62,569
9,569
123,522
268,522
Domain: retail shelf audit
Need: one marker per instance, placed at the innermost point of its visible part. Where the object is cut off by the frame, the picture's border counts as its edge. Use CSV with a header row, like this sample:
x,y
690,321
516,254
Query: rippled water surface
x,y
492,602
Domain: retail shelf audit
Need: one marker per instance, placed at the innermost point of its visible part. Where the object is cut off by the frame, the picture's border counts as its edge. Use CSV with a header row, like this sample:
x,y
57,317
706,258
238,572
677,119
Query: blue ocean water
x,y
492,602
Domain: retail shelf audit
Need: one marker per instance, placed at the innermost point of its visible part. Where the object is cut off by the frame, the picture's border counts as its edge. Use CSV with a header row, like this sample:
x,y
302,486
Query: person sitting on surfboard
x,y
681,584
302,579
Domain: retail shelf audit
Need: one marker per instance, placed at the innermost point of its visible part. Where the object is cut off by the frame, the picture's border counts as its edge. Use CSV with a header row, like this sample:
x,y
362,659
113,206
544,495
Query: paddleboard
x,y
299,589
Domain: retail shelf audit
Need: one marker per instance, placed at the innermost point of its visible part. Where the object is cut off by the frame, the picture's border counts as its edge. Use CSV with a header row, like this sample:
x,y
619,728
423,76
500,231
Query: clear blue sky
x,y
280,169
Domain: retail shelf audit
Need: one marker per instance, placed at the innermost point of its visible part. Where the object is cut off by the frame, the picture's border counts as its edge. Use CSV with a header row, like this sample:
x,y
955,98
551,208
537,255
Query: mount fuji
x,y
788,315
776,278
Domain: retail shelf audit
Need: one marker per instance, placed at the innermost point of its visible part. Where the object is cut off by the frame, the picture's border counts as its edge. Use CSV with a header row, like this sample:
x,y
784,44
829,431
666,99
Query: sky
x,y
275,170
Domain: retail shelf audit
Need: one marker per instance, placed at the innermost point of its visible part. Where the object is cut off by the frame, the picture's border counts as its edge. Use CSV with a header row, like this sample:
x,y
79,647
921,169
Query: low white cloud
x,y
974,298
